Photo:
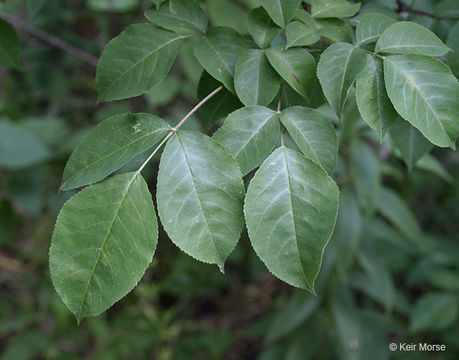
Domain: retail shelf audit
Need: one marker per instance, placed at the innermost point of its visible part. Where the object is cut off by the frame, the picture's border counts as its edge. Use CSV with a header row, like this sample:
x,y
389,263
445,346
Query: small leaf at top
x,y
314,134
371,26
426,94
200,194
339,66
104,240
333,8
110,145
296,66
281,11
218,53
410,38
135,61
255,81
290,211
261,27
249,135
180,16
299,34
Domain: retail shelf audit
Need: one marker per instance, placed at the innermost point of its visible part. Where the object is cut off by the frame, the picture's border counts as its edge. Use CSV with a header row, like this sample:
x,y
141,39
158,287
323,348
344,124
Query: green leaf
x,y
296,66
435,311
333,8
112,5
339,66
218,53
180,16
411,143
219,106
314,134
447,9
366,174
200,195
249,135
372,100
261,27
255,81
281,11
135,61
406,37
110,145
20,148
431,164
426,94
299,34
371,26
452,58
104,240
290,211
335,30
395,209
9,46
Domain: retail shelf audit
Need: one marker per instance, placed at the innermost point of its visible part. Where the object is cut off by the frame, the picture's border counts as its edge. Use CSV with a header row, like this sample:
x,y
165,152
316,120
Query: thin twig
x,y
154,152
50,39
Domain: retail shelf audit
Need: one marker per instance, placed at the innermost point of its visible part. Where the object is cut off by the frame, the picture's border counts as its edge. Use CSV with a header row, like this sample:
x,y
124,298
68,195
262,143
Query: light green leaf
x,y
434,311
249,135
135,61
200,195
447,9
110,145
411,143
299,34
281,11
335,30
406,37
371,26
366,174
426,94
314,134
218,53
306,18
395,209
290,211
112,5
20,148
261,27
255,81
372,100
339,66
9,46
104,240
333,8
431,164
296,66
452,58
180,16
219,106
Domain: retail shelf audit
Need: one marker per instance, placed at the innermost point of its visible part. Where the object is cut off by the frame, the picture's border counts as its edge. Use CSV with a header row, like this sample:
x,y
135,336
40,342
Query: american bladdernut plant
x,y
264,85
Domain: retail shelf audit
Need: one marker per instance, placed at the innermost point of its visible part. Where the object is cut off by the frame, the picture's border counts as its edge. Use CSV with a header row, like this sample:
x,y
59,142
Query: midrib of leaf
x,y
420,93
379,102
195,187
169,14
128,187
410,149
307,140
254,134
293,216
218,55
325,9
139,61
346,65
409,46
291,71
110,154
278,2
257,90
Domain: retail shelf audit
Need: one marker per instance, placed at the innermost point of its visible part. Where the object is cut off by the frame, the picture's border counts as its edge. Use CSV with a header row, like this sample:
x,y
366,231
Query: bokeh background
x,y
389,275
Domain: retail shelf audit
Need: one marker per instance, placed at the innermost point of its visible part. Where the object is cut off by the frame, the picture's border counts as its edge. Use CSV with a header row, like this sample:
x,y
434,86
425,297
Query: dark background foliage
x,y
397,285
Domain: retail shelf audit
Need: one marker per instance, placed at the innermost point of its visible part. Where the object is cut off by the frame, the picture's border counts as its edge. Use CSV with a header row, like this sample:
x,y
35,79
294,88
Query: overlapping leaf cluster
x,y
106,235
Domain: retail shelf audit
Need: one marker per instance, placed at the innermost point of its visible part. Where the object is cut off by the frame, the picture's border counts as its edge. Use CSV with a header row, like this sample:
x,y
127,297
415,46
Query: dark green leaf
x,y
333,8
434,311
9,46
135,61
447,9
452,57
281,11
371,26
299,34
104,240
261,27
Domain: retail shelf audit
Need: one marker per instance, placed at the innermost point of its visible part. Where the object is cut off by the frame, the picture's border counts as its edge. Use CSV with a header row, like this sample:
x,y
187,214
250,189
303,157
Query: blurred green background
x,y
390,272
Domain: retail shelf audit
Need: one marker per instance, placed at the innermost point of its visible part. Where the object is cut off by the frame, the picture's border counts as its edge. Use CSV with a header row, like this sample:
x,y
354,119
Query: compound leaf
x,y
104,240
314,135
110,145
426,94
135,61
249,135
290,211
200,195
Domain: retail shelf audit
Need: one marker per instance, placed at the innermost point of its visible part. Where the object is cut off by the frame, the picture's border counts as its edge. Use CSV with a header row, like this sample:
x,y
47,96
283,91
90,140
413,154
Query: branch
x,y
50,39
404,7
